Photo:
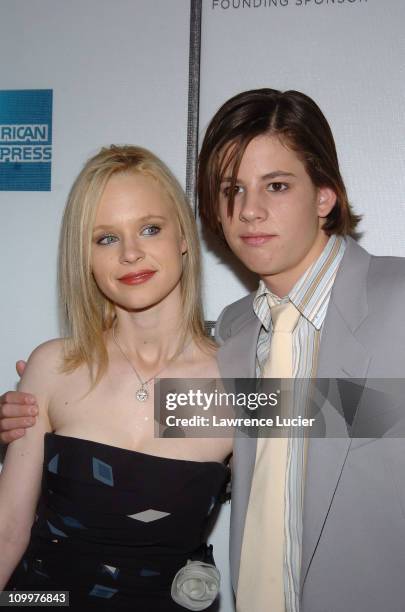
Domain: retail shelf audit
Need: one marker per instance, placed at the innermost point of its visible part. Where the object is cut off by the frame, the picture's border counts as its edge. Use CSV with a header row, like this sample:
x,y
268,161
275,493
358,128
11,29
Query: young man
x,y
317,528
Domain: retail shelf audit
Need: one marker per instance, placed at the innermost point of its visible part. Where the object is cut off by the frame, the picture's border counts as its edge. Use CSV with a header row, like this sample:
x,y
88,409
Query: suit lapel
x,y
340,356
237,357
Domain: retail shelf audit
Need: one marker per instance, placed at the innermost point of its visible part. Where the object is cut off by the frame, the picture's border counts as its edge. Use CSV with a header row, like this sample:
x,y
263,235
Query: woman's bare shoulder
x,y
209,366
197,363
44,364
48,354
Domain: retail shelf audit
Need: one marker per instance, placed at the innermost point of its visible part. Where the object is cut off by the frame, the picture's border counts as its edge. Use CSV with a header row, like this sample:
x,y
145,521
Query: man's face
x,y
276,226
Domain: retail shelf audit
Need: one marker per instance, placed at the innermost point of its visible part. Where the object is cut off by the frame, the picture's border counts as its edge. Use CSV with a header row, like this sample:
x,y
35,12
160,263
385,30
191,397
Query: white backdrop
x,y
349,55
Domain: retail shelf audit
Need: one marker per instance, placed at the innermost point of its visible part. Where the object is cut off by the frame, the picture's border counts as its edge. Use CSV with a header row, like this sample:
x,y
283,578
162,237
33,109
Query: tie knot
x,y
284,317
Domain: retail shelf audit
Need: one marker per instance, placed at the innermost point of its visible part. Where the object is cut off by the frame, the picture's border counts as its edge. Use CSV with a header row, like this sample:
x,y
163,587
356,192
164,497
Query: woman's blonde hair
x,y
86,312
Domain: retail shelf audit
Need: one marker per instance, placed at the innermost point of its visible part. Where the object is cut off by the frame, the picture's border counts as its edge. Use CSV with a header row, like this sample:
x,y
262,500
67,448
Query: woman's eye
x,y
150,230
107,239
277,187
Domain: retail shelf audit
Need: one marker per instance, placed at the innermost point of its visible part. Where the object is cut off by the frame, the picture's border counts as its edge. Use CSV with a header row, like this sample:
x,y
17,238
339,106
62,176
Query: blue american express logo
x,y
25,140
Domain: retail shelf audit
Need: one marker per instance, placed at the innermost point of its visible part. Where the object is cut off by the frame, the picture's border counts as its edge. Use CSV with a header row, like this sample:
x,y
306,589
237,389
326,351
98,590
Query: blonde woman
x,y
120,512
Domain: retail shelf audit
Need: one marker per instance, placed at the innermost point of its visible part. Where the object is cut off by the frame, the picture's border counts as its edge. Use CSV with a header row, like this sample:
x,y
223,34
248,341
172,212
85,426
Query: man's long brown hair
x,y
299,123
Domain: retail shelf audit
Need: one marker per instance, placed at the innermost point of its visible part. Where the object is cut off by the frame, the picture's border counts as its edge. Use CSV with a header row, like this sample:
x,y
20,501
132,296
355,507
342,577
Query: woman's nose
x,y
131,251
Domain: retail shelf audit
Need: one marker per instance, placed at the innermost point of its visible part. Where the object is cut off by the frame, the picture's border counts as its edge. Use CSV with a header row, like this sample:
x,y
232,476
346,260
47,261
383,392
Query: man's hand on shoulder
x,y
17,411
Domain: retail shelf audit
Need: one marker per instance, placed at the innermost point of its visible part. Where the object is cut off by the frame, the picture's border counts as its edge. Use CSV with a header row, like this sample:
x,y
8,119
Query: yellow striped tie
x,y
261,575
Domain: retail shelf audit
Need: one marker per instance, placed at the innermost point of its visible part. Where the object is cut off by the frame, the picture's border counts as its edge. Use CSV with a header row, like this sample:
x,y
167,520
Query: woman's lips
x,y
137,278
257,239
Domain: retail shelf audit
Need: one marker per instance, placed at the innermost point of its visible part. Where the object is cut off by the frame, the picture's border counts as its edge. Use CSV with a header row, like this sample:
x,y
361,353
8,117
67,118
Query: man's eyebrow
x,y
265,177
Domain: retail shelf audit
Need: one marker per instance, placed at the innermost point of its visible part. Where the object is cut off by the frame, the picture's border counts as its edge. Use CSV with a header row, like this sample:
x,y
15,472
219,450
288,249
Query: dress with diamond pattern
x,y
114,526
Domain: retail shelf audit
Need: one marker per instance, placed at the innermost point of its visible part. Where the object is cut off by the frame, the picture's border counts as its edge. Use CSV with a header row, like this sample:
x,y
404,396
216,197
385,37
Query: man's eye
x,y
277,187
150,230
226,191
107,239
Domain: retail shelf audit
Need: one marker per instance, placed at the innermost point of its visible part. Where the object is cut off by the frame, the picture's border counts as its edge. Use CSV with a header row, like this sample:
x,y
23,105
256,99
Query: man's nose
x,y
253,207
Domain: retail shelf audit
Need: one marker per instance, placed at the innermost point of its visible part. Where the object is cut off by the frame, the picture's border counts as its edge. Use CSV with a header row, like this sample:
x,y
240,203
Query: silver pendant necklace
x,y
142,394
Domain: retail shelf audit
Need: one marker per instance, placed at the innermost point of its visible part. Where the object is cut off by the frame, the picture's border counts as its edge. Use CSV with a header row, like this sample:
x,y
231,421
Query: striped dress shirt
x,y
310,295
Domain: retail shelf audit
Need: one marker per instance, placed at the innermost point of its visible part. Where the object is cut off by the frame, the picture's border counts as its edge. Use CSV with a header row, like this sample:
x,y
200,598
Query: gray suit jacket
x,y
353,557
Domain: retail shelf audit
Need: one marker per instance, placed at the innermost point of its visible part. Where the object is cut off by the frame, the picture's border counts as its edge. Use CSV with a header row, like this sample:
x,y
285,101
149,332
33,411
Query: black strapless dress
x,y
114,526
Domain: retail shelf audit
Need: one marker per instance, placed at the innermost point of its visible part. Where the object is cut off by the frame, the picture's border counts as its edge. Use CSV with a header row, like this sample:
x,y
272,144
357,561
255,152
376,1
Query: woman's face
x,y
137,246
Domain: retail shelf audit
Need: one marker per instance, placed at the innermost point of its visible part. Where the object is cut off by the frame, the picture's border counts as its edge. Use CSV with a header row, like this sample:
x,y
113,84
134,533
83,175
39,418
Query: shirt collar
x,y
311,293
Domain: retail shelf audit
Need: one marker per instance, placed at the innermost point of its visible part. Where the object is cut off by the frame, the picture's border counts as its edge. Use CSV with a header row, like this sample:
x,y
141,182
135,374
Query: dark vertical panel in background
x,y
193,114
193,102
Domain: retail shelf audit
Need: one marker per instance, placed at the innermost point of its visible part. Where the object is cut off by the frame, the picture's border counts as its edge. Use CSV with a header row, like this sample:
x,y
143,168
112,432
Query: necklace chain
x,y
142,394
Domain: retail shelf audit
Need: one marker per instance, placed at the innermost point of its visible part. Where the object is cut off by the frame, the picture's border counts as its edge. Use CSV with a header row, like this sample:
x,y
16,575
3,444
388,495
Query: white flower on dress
x,y
196,585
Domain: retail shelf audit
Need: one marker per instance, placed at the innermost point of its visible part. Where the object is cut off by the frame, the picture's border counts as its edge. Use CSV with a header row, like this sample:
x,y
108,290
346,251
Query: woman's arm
x,y
20,478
